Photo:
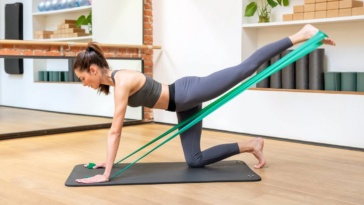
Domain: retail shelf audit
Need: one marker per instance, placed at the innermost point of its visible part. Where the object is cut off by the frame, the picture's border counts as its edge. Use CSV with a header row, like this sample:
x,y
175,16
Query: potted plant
x,y
83,20
264,9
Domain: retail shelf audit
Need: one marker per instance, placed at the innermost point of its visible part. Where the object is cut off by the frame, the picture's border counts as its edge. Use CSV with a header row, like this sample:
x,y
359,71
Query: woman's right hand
x,y
98,165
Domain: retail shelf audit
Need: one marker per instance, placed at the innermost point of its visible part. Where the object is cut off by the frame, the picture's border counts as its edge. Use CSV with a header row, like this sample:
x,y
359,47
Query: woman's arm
x,y
113,139
121,101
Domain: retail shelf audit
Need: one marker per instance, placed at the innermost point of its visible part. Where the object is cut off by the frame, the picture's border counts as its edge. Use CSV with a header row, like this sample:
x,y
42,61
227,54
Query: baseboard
x,y
276,138
57,112
64,130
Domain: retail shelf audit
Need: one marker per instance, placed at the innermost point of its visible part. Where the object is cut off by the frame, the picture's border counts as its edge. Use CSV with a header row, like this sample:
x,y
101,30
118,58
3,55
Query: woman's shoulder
x,y
128,76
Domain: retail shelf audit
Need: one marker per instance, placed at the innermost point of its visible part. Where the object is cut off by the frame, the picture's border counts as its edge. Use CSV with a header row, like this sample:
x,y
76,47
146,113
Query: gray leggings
x,y
191,92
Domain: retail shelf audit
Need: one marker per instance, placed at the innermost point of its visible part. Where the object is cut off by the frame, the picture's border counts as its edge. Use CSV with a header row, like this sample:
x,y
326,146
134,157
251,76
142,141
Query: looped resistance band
x,y
296,54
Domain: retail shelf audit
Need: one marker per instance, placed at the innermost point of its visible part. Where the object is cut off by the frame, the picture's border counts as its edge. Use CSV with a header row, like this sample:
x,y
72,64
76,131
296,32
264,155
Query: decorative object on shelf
x,y
68,30
264,10
46,76
42,34
82,20
41,6
64,76
55,4
72,3
316,64
84,2
333,81
62,4
348,81
90,2
302,73
360,82
53,76
288,74
41,76
47,5
318,9
276,78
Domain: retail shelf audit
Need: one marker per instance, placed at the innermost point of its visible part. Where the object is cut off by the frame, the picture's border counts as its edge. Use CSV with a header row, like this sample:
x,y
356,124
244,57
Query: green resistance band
x,y
304,49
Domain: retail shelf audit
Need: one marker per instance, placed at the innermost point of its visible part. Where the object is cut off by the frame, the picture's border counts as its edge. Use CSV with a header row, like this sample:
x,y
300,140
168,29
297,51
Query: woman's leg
x,y
190,140
191,91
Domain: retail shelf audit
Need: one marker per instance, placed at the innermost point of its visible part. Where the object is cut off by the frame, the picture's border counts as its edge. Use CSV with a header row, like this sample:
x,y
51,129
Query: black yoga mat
x,y
276,78
288,74
167,173
316,65
265,82
302,73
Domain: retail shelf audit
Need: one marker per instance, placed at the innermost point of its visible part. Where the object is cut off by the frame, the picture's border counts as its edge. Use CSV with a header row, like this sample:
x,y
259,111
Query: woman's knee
x,y
194,163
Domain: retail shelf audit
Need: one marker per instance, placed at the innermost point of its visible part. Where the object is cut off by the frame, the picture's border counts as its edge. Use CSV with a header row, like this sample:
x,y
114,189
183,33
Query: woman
x,y
185,97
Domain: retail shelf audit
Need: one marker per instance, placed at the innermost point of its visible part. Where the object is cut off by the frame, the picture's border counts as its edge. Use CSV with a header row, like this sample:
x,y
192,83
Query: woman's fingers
x,y
95,179
95,165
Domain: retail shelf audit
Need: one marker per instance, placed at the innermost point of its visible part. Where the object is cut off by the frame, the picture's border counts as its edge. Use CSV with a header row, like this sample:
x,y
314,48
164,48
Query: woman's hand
x,y
94,179
98,165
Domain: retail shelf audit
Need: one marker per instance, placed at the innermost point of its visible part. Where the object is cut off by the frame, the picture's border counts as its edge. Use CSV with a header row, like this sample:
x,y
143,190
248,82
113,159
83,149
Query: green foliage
x,y
263,9
83,20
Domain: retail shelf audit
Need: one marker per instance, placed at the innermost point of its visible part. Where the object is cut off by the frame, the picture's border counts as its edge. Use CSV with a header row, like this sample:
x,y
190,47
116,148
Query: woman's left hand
x,y
94,179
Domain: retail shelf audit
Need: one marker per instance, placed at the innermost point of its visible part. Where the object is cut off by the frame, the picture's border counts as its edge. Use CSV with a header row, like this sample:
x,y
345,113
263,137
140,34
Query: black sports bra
x,y
146,96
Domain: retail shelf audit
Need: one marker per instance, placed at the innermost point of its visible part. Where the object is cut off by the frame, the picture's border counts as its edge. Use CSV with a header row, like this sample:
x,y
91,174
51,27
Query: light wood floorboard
x,y
33,170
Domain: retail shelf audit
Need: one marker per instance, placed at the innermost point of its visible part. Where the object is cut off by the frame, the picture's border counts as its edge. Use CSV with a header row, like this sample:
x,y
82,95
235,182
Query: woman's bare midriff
x,y
163,100
137,84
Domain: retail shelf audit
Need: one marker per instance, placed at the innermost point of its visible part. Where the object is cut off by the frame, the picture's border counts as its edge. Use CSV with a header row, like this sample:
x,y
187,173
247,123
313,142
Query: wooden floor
x,y
33,171
24,120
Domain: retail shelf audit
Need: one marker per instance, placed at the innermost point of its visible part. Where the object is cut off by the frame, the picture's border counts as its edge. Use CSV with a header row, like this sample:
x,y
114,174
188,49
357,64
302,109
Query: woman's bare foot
x,y
254,146
307,32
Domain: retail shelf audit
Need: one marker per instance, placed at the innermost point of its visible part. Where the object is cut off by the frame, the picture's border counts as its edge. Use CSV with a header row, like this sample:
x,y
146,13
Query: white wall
x,y
197,39
21,91
121,22
203,36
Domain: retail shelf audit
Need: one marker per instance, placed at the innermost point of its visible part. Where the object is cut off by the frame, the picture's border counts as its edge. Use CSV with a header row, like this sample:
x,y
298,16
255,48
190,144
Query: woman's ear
x,y
93,69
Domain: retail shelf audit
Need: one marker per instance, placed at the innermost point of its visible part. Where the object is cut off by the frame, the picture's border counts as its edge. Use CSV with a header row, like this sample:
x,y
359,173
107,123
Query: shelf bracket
x,y
61,49
139,54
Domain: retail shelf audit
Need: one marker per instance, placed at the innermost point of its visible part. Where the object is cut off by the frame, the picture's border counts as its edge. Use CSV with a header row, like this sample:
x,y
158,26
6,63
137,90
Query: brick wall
x,y
146,54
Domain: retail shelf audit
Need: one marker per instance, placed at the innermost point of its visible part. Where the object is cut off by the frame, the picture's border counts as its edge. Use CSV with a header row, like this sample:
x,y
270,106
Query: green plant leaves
x,y
272,3
81,21
251,9
279,2
285,2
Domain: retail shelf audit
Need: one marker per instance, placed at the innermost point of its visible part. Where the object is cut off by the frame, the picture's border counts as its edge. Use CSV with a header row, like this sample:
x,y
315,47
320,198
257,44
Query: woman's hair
x,y
93,55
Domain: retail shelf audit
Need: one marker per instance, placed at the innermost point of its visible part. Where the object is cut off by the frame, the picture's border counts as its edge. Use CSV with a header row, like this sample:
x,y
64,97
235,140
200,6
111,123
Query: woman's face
x,y
89,79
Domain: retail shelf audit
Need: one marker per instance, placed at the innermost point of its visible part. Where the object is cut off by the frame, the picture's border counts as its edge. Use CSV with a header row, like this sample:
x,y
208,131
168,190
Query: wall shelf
x,y
66,39
57,82
63,11
302,22
308,91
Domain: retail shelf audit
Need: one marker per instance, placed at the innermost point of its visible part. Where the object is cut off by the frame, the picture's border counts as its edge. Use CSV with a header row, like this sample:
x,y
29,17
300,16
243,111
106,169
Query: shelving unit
x,y
303,22
342,58
58,82
48,20
308,91
63,11
67,39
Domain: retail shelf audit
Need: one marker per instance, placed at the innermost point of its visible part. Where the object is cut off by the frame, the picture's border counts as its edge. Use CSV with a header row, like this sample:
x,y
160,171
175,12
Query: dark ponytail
x,y
93,55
